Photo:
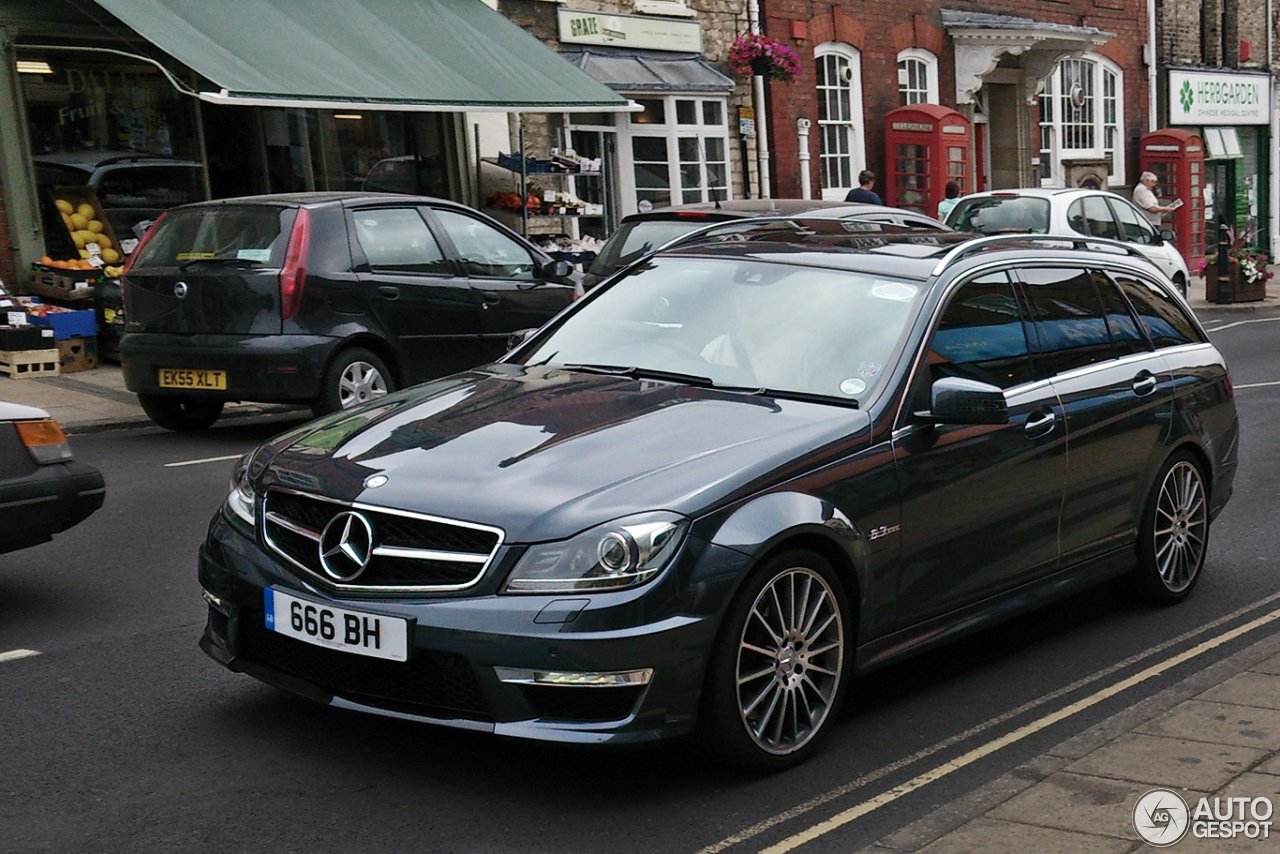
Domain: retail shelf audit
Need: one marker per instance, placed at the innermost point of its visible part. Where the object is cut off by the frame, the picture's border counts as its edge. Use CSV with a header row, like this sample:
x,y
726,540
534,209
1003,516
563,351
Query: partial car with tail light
x,y
44,490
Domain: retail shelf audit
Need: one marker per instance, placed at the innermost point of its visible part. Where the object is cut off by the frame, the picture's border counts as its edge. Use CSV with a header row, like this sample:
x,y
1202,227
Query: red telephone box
x,y
926,145
1176,158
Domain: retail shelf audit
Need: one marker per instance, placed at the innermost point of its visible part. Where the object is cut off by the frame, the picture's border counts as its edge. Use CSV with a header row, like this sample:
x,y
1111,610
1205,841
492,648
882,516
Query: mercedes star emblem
x,y
180,290
346,545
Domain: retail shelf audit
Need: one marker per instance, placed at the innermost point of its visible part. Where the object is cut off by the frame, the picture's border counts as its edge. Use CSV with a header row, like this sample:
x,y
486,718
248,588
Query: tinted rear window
x,y
633,240
254,234
149,186
1001,215
1165,322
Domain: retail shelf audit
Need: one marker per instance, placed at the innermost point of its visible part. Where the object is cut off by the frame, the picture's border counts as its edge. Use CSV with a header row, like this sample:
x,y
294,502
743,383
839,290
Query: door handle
x,y
489,298
389,291
1143,384
1040,423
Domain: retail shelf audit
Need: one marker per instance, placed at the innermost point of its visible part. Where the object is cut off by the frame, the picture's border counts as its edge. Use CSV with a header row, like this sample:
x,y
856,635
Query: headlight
x,y
240,497
614,556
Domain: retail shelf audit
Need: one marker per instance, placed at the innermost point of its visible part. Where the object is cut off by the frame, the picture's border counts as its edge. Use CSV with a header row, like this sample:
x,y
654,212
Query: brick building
x,y
1079,126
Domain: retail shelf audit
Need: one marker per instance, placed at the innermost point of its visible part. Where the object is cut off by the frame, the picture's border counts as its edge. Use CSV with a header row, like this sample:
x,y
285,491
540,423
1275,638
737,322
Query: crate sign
x,y
1217,98
638,31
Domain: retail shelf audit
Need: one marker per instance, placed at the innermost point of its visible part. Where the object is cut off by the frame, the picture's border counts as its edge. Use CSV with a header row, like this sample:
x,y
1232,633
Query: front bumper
x,y
260,368
470,656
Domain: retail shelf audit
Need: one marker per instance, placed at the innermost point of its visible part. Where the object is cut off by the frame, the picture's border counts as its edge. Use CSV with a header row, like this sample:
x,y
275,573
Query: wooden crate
x,y
28,364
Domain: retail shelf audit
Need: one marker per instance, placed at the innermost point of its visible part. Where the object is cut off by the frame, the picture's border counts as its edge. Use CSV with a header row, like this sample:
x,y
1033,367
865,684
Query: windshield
x,y
635,239
1001,215
741,323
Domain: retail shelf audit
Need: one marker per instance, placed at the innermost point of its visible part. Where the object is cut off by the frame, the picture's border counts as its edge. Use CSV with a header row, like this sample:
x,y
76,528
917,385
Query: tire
x,y
771,698
356,376
1174,533
182,413
1181,284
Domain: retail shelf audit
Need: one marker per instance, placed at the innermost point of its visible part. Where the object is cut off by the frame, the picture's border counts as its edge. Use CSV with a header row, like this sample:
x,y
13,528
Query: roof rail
x,y
982,244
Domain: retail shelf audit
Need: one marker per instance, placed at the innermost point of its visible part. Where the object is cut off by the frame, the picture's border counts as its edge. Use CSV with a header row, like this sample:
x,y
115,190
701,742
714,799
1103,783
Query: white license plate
x,y
374,635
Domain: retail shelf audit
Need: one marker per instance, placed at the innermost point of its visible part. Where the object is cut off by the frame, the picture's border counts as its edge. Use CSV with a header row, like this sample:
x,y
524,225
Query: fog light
x,y
612,679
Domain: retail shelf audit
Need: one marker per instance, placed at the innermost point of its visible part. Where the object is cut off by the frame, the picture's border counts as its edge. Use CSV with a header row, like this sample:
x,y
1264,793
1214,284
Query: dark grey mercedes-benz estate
x,y
733,477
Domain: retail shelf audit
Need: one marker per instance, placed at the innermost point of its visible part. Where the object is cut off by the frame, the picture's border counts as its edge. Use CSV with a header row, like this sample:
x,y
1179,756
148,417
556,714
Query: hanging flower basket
x,y
752,55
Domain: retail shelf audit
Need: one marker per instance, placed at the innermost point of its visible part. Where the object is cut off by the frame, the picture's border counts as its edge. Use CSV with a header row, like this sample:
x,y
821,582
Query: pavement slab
x,y
1261,690
1163,762
1080,803
987,836
1220,723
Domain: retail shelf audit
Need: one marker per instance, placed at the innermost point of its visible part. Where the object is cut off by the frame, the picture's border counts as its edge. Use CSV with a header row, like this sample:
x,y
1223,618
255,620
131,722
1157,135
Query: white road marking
x,y
1255,385
15,654
1243,322
206,460
1032,728
853,785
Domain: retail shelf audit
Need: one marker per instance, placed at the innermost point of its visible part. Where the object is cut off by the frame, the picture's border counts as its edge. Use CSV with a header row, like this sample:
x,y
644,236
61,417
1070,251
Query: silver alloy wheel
x,y
790,660
1181,526
360,382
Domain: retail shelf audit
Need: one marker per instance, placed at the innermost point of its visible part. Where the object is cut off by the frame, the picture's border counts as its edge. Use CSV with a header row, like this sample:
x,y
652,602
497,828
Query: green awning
x,y
437,55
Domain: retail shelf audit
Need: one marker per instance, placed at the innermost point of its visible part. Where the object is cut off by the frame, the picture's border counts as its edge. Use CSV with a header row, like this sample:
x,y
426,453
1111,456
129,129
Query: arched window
x,y
840,130
1081,105
917,77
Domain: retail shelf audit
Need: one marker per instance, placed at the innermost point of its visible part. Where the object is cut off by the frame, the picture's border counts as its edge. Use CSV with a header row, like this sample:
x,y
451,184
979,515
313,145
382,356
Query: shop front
x,y
1230,112
154,106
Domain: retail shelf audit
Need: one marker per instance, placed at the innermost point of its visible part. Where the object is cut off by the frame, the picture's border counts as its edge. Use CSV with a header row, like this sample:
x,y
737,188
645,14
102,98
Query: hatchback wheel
x,y
176,412
778,671
1174,532
356,376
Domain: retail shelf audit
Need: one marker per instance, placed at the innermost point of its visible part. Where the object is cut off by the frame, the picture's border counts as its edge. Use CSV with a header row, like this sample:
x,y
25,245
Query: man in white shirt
x,y
1144,196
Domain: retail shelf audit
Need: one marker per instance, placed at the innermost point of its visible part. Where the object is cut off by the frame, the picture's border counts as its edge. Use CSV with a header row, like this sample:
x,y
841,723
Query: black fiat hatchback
x,y
326,299
727,482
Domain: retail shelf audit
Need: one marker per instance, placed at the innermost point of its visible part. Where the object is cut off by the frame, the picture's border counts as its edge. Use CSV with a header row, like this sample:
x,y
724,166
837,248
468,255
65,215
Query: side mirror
x,y
515,339
956,400
1167,235
556,269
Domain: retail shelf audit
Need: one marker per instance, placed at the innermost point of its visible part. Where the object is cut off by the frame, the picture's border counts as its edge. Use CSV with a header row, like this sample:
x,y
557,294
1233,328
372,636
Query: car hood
x,y
544,453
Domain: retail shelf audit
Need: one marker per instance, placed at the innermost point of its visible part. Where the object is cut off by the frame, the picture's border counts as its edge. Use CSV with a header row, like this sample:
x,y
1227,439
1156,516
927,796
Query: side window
x,y
485,251
398,240
1097,217
1166,324
1133,225
1075,217
1067,317
981,335
1125,333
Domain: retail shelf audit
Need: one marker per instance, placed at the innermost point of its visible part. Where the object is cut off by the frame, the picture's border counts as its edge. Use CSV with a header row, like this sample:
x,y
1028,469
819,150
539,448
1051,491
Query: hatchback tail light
x,y
137,250
293,275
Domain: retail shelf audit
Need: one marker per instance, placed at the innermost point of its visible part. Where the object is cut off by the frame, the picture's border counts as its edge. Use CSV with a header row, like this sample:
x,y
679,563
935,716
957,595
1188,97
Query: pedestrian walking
x,y
863,192
952,191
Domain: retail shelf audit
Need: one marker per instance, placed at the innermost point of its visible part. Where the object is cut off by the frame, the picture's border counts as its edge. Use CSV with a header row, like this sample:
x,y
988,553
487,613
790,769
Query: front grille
x,y
411,552
581,704
433,684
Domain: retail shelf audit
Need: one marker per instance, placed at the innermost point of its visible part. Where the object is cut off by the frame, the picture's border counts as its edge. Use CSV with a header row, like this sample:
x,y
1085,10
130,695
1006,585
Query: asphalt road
x,y
120,736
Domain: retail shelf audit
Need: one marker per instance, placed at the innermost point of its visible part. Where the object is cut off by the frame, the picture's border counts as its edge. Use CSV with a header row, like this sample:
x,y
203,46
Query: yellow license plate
x,y
191,378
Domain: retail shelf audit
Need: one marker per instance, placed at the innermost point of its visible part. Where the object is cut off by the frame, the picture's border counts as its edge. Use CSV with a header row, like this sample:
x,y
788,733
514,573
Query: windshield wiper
x,y
787,394
634,372
226,259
